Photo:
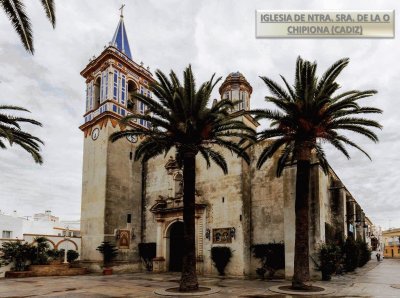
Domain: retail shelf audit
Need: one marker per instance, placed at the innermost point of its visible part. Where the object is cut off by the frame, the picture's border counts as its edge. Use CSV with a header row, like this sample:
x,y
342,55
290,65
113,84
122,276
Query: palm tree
x,y
10,130
310,113
180,119
15,10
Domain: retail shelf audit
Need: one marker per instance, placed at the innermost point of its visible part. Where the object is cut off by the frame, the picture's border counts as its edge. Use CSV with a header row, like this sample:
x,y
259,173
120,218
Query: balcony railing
x,y
115,108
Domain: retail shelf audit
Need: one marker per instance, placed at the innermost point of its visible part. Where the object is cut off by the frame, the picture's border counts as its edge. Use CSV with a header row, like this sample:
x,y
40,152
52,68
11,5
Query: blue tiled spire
x,y
120,40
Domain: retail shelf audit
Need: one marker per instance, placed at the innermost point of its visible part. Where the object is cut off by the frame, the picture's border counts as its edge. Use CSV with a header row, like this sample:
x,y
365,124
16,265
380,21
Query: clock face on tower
x,y
95,134
132,139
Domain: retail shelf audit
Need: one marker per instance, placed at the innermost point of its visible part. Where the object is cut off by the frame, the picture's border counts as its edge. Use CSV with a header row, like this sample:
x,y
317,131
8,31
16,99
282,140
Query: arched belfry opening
x,y
132,89
97,86
175,246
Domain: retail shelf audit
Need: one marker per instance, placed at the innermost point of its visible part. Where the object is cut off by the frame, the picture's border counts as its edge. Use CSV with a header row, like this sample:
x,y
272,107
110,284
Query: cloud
x,y
214,36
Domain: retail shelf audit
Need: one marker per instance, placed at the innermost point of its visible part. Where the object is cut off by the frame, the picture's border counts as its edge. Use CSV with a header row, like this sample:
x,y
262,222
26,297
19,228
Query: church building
x,y
128,203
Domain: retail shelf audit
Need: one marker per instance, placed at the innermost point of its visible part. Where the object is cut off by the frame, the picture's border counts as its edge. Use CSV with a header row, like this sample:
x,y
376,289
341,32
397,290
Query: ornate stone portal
x,y
169,211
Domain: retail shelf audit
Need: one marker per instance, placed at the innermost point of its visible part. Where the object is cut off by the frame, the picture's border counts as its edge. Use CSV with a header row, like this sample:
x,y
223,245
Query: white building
x,y
14,226
61,234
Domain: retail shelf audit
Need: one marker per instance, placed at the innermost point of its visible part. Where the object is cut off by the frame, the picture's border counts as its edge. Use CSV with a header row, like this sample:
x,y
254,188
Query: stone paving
x,y
374,280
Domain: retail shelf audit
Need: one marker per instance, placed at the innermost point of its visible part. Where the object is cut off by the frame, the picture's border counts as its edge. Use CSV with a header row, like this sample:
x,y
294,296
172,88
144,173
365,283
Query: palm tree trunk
x,y
301,251
189,278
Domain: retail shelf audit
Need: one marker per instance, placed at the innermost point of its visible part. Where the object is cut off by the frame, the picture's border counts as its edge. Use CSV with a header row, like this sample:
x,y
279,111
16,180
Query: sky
x,y
213,36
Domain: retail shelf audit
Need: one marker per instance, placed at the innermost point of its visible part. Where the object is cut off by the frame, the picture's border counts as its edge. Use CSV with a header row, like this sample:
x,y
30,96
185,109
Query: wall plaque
x,y
222,235
124,238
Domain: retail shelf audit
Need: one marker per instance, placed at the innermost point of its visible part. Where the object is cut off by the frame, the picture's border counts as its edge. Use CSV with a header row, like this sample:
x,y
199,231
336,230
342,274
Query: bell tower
x,y
112,181
237,89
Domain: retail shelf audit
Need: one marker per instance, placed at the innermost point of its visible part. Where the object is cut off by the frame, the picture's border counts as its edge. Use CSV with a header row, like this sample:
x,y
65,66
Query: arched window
x,y
97,86
131,91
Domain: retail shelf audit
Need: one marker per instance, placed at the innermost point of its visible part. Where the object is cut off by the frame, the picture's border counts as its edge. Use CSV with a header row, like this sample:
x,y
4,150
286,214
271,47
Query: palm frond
x,y
32,150
49,8
134,132
338,145
204,153
351,143
150,146
330,75
289,88
15,10
180,118
270,133
354,121
283,159
266,114
269,151
10,129
276,89
233,147
11,107
310,111
361,110
208,154
360,130
323,162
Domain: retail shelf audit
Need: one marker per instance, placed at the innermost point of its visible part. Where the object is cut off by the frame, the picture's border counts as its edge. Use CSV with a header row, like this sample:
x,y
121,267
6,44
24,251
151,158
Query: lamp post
x,y
66,235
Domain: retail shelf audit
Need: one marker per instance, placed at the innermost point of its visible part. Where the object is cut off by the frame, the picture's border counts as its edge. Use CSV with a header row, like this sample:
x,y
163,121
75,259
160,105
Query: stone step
x,y
47,270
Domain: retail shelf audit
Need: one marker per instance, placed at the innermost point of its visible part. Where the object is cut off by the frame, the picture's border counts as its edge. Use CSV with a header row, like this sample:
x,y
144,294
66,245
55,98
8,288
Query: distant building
x,y
46,216
391,240
11,226
61,234
15,226
374,236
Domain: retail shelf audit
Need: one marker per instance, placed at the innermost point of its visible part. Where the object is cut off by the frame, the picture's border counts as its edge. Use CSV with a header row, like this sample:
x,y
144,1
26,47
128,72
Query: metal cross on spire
x,y
122,10
120,40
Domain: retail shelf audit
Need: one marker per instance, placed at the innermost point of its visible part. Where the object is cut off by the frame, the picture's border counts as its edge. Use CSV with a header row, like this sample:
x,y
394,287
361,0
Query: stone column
x,y
289,178
338,209
159,237
159,260
199,244
362,224
318,193
199,225
353,218
345,212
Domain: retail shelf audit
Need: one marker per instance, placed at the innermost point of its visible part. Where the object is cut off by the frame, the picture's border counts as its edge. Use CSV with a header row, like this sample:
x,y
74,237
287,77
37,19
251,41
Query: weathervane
x,y
122,10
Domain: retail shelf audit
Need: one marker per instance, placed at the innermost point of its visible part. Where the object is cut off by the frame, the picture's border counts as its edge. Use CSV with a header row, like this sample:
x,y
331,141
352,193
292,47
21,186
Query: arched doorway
x,y
176,246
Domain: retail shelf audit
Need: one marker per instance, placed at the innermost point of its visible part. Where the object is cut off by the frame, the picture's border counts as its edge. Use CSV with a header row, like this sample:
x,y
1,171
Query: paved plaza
x,y
374,280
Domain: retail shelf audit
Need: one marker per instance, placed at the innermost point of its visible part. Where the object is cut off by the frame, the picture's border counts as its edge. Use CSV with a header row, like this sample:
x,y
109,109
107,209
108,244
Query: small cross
x,y
122,10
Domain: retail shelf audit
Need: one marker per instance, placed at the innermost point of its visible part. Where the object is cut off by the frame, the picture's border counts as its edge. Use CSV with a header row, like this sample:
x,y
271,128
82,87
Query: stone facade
x,y
126,203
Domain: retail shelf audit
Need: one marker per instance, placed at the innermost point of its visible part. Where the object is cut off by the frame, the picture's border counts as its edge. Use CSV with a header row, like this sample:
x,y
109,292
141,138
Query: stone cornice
x,y
112,53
